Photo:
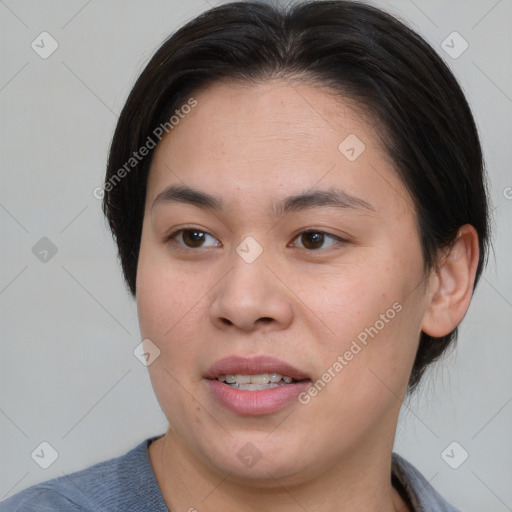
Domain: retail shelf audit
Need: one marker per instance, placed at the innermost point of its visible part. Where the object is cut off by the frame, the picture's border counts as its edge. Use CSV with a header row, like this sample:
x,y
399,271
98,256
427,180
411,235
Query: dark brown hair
x,y
358,50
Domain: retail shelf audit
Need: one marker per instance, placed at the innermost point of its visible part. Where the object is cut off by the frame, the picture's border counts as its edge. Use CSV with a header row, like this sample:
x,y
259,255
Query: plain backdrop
x,y
69,327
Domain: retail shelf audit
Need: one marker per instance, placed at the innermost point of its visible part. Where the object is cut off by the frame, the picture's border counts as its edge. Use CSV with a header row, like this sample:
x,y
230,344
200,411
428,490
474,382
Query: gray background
x,y
69,328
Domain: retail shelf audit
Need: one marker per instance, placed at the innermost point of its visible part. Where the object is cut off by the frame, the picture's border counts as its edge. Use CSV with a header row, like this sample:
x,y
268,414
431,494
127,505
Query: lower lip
x,y
255,403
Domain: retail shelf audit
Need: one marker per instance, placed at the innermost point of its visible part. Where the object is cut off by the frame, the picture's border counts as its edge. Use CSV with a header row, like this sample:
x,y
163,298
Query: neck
x,y
362,481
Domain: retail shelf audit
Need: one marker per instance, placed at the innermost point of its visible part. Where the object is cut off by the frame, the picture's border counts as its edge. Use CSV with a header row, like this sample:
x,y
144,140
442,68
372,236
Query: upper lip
x,y
237,365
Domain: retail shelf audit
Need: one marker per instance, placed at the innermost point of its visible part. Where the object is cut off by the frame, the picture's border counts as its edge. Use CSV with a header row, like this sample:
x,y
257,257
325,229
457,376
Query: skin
x,y
253,145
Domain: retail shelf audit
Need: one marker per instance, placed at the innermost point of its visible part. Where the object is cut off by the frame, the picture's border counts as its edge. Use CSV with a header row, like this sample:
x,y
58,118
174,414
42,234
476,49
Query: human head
x,y
360,52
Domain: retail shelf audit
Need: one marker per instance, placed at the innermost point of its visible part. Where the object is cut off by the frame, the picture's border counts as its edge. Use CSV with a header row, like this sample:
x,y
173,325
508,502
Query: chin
x,y
253,460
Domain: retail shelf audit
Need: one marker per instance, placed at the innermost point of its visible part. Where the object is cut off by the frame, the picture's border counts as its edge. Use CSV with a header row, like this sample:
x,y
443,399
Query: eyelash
x,y
172,237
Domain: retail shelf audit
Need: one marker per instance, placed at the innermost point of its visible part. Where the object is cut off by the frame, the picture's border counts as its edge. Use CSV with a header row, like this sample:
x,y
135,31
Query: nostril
x,y
227,322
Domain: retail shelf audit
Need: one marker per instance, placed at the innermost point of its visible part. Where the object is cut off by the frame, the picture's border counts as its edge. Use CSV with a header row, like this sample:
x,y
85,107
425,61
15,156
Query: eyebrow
x,y
333,197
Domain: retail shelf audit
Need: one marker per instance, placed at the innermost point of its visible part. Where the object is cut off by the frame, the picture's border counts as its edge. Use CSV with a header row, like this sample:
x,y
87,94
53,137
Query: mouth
x,y
255,386
257,382
259,370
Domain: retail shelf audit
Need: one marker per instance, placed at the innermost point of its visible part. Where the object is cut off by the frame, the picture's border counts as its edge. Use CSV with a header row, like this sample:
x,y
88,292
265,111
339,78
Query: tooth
x,y
256,387
262,378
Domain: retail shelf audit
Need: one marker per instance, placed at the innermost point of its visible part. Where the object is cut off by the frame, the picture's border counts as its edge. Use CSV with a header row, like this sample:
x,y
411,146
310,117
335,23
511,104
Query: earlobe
x,y
452,286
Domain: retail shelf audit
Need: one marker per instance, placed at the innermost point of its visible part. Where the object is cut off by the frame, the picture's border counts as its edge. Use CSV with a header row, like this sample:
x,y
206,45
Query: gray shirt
x,y
128,484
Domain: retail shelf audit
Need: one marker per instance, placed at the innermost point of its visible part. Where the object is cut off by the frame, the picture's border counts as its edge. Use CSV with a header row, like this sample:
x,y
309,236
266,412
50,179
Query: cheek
x,y
352,298
172,307
169,312
161,298
374,317
168,306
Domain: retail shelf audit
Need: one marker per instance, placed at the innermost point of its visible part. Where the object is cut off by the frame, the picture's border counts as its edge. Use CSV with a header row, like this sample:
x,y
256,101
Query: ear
x,y
451,286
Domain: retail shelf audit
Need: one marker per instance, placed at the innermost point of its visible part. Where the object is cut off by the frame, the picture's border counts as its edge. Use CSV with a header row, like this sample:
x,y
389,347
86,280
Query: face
x,y
272,243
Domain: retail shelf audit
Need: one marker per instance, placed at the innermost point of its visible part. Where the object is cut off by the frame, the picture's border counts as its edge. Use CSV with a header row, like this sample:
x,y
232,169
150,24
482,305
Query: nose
x,y
250,297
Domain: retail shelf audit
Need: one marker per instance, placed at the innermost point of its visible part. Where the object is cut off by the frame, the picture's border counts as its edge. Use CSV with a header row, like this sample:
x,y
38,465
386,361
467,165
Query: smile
x,y
257,382
254,385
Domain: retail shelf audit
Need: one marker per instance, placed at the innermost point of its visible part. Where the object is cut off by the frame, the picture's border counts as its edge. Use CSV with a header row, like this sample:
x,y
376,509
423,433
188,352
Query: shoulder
x,y
39,498
120,484
418,489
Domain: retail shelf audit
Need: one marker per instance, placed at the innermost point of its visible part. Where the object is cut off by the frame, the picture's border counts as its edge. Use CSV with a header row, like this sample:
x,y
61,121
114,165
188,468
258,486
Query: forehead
x,y
288,112
273,138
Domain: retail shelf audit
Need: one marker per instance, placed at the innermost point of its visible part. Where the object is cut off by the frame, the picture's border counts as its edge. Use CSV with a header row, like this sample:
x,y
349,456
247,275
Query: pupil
x,y
314,240
193,237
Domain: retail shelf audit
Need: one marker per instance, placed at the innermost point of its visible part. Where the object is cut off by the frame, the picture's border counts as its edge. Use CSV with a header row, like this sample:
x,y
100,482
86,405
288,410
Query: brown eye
x,y
193,238
314,240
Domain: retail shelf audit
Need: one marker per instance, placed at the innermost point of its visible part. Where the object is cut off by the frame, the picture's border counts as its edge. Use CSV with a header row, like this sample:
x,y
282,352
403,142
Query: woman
x,y
298,200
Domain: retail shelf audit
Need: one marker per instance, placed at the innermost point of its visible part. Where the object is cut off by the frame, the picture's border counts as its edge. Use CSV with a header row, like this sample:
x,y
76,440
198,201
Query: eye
x,y
193,238
314,240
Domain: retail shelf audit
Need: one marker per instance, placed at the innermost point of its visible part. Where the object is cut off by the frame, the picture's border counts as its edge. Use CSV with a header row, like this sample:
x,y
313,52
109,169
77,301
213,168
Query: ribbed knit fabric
x,y
128,484
423,497
123,484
